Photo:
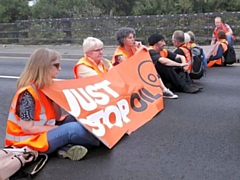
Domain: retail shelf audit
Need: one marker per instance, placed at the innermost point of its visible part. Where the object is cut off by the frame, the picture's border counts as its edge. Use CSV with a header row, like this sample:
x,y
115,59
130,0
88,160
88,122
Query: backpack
x,y
12,161
197,70
229,55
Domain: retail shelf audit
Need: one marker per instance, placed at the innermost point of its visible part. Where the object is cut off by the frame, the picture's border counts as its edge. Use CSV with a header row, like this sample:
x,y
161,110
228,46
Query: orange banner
x,y
119,102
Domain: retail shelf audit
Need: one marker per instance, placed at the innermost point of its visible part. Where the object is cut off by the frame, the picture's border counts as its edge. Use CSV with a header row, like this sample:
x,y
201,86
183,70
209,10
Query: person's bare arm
x,y
28,127
169,62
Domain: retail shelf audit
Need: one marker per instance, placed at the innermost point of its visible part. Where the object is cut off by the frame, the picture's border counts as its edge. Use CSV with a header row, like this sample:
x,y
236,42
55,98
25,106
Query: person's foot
x,y
197,86
169,94
74,153
191,89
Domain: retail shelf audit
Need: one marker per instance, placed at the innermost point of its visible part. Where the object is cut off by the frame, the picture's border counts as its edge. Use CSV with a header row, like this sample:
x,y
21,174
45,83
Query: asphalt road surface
x,y
195,137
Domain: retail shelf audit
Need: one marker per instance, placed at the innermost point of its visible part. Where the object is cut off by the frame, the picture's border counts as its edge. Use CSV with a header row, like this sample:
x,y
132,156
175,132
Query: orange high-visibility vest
x,y
187,53
163,53
121,51
219,60
44,115
225,30
106,64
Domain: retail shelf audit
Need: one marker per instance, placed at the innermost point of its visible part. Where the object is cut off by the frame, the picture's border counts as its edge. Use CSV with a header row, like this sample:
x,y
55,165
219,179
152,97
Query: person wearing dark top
x,y
166,62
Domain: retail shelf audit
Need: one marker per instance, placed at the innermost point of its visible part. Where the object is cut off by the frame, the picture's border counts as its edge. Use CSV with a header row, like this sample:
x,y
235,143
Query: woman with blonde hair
x,y
35,120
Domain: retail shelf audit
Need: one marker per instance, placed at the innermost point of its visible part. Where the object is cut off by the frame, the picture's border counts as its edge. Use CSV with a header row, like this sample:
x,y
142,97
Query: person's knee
x,y
76,129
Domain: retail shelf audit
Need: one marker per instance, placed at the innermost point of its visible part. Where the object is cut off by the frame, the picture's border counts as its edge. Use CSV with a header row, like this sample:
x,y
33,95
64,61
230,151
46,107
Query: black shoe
x,y
191,89
197,86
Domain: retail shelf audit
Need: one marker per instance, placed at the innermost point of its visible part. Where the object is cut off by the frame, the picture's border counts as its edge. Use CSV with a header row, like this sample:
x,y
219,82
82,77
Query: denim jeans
x,y
69,132
230,39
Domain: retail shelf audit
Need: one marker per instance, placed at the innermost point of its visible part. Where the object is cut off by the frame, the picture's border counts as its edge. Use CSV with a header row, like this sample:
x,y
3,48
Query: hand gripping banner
x,y
119,102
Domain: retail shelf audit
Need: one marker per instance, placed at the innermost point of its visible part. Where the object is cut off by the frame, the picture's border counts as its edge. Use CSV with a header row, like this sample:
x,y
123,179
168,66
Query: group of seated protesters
x,y
36,121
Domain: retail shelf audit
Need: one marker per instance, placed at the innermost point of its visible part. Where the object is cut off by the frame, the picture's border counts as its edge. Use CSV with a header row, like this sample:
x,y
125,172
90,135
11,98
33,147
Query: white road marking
x,y
16,77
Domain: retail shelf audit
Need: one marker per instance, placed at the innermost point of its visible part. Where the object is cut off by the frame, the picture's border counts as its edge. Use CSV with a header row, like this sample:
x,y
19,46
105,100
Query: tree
x,y
115,7
12,10
45,9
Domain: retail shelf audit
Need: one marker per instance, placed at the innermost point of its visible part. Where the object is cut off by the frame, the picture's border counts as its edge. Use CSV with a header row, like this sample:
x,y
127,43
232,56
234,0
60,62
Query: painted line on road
x,y
26,58
17,77
9,77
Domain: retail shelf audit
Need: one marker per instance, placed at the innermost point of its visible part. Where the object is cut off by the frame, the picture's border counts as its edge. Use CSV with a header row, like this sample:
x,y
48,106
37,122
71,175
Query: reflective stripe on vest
x,y
14,134
17,138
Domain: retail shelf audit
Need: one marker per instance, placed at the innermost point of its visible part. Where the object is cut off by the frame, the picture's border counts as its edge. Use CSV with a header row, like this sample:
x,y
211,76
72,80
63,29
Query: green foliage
x,y
12,10
45,9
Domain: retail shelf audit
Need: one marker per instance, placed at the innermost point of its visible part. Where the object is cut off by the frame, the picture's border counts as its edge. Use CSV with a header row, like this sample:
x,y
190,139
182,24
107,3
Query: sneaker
x,y
74,153
169,94
191,89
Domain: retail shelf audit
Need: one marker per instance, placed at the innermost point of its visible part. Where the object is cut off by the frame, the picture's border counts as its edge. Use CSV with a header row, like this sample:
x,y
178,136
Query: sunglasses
x,y
57,65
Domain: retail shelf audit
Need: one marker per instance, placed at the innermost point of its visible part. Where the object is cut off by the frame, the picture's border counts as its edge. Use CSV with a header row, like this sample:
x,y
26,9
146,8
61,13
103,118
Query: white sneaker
x,y
169,94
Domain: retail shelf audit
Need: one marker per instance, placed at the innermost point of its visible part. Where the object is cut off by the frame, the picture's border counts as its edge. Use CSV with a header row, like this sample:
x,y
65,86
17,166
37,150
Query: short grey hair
x,y
178,36
122,33
90,43
192,36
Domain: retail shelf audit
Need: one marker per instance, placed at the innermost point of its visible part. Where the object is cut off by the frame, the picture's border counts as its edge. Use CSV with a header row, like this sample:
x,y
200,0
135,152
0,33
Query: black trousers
x,y
173,78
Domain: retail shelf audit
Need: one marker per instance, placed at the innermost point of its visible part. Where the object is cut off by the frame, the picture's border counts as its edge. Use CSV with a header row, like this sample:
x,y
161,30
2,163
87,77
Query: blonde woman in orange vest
x,y
34,120
93,62
220,26
127,46
215,56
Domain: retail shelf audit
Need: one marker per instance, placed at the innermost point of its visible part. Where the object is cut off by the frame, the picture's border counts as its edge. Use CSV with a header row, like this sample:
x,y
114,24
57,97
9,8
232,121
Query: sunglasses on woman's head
x,y
57,65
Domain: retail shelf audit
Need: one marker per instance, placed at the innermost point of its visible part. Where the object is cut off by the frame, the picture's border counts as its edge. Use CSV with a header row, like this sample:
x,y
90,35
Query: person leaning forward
x,y
165,64
35,120
215,57
93,62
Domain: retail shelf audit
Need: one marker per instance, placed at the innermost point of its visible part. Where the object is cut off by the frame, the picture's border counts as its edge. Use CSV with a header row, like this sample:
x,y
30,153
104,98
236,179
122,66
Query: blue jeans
x,y
69,132
230,39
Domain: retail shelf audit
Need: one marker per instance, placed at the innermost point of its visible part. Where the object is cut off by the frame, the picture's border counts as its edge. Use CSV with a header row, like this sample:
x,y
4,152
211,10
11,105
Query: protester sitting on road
x,y
93,62
125,37
165,64
193,44
214,58
36,121
127,48
183,49
178,39
220,26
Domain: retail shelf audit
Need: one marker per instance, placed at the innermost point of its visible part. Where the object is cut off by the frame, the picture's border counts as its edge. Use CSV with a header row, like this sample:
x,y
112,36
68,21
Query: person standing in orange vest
x,y
93,62
220,26
36,121
125,37
215,57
